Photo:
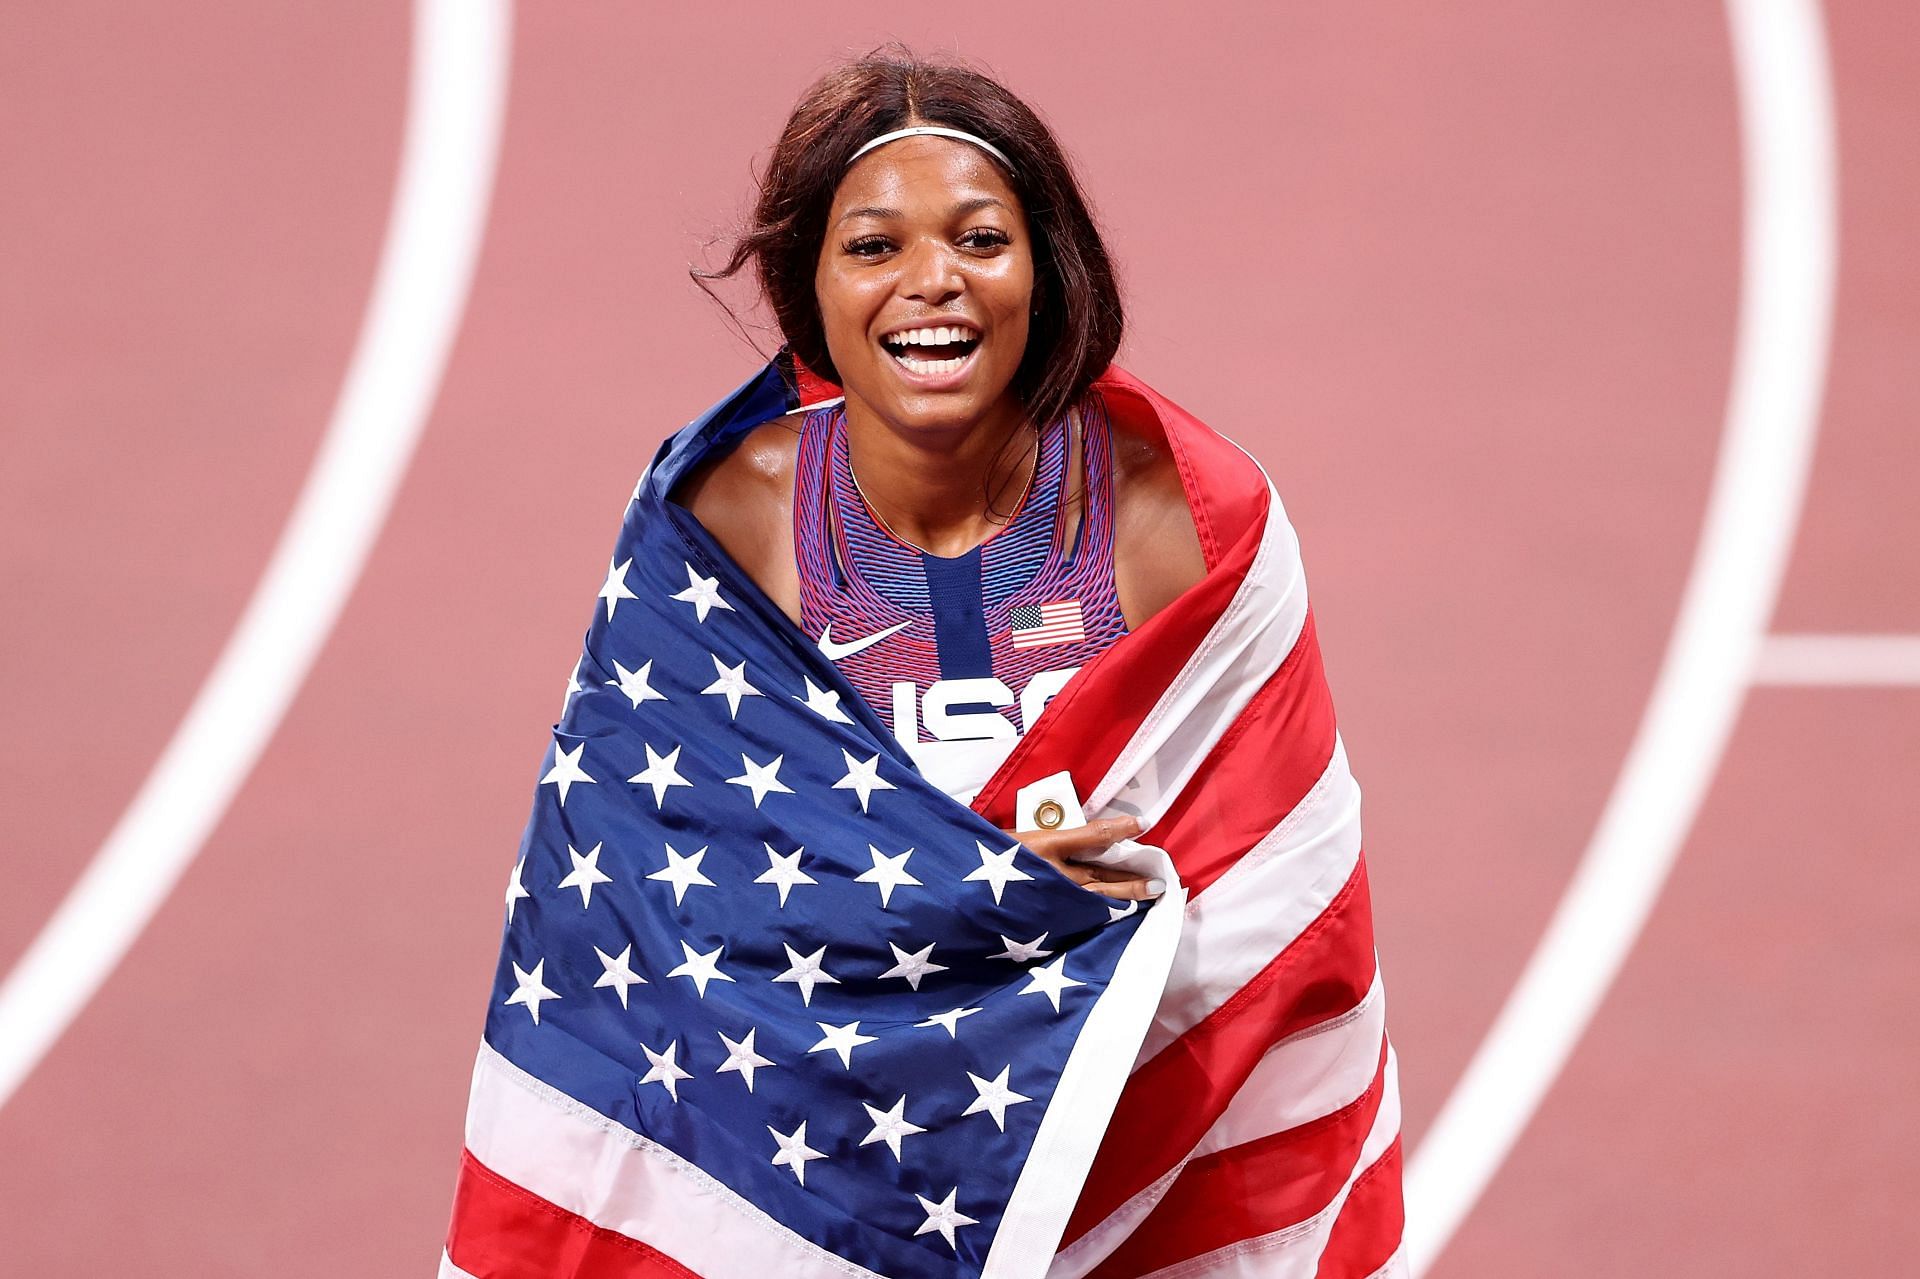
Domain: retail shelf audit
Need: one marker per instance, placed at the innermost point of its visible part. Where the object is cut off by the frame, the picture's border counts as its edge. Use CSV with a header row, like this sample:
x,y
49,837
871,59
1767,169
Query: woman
x,y
778,995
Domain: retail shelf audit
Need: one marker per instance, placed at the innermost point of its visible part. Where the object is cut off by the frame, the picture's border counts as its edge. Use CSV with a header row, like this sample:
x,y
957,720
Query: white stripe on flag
x,y
1306,1076
1084,1099
1262,903
1294,1253
582,1161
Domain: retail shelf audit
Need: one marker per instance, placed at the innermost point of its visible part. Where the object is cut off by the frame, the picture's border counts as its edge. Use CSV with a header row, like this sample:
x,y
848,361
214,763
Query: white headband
x,y
937,131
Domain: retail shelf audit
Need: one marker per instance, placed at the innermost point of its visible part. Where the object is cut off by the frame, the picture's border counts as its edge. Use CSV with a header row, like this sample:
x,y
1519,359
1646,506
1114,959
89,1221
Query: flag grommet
x,y
1048,814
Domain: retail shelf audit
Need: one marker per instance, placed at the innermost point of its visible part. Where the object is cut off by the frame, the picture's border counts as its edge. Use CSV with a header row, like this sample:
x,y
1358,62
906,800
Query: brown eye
x,y
868,246
985,238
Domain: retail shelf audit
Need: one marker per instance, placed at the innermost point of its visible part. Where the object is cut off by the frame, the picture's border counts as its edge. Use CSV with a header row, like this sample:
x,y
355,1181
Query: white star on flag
x,y
566,770
841,1039
997,869
732,682
634,684
1117,913
662,773
615,588
889,872
794,1151
943,1217
573,686
585,874
805,972
741,1057
949,1020
516,889
532,989
701,968
784,871
913,967
682,872
862,779
824,702
890,1126
703,593
994,1097
665,1070
619,972
761,779
1050,980
1021,951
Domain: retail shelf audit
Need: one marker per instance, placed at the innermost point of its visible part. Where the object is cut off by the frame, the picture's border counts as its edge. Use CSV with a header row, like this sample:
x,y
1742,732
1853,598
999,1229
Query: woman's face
x,y
924,285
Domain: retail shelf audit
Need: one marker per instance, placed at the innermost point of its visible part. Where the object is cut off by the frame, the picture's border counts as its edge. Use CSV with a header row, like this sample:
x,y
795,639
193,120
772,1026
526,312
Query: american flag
x,y
1055,622
770,1004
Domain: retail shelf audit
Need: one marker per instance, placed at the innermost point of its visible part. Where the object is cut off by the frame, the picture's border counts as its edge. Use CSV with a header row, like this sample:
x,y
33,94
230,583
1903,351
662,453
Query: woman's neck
x,y
945,493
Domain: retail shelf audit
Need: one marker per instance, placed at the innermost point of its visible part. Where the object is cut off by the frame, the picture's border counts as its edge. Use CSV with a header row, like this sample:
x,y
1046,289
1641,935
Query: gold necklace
x,y
874,511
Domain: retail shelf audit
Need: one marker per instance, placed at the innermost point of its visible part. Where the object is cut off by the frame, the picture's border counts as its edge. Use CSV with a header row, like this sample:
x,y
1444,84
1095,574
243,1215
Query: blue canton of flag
x,y
746,938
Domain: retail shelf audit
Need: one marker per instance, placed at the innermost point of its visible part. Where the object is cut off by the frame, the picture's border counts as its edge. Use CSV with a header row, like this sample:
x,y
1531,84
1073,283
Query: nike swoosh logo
x,y
835,651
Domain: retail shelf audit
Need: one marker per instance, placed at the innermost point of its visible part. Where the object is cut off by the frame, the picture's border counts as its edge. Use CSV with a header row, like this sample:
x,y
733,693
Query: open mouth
x,y
929,351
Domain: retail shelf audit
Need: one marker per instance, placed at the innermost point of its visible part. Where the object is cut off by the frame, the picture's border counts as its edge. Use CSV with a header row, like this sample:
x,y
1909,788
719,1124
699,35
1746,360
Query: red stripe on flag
x,y
811,387
1252,1189
1263,766
1371,1222
503,1231
1326,971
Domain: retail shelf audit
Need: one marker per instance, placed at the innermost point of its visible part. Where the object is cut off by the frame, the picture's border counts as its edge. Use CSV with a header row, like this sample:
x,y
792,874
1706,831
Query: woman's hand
x,y
1065,848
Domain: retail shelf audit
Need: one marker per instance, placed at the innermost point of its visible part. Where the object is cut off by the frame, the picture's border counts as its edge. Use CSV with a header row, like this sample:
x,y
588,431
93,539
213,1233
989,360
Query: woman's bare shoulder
x,y
732,489
1157,552
745,499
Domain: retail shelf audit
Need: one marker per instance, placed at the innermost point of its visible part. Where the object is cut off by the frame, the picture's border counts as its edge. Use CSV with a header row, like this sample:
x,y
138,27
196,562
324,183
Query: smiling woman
x,y
994,577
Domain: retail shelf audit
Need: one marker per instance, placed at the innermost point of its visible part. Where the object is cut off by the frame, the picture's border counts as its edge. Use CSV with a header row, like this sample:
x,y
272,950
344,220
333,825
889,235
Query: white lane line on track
x,y
1840,661
456,100
1780,356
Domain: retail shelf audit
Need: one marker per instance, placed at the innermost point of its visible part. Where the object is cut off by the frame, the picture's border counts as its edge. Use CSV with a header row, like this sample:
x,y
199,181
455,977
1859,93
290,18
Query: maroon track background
x,y
1464,277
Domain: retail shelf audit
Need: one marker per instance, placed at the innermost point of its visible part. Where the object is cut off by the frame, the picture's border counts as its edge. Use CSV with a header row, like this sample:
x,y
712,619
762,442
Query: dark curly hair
x,y
1077,329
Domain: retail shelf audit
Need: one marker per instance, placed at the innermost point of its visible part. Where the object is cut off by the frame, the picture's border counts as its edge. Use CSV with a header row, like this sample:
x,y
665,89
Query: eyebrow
x,y
959,210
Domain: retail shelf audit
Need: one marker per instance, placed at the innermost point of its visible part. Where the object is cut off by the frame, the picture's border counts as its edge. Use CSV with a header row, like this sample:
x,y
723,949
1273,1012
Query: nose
x,y
931,274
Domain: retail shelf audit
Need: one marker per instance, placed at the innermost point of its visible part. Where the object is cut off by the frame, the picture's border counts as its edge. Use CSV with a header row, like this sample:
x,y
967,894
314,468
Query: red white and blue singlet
x,y
959,655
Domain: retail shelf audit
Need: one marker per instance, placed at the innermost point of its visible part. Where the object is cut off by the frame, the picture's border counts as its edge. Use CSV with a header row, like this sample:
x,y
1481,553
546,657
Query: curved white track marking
x,y
456,100
1840,661
1788,264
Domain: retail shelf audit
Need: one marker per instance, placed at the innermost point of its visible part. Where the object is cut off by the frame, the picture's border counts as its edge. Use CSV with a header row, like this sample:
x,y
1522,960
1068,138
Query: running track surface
x,y
1466,279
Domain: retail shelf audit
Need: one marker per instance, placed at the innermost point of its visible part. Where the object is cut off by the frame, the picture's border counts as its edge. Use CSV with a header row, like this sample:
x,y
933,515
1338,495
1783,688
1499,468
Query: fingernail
x,y
1155,887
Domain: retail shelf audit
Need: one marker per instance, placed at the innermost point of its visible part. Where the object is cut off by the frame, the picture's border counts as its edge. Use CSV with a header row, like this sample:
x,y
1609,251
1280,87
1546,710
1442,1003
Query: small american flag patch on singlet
x,y
1035,625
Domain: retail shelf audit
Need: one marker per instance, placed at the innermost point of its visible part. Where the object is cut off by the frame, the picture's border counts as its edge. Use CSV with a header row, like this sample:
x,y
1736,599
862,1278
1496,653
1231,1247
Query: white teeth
x,y
931,337
929,367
